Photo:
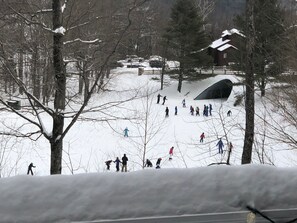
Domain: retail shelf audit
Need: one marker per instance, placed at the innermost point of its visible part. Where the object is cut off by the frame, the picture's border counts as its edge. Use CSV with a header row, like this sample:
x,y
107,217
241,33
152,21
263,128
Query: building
x,y
225,50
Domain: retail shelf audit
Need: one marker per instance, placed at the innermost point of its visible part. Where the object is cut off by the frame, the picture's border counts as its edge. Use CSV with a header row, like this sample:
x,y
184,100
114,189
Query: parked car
x,y
156,61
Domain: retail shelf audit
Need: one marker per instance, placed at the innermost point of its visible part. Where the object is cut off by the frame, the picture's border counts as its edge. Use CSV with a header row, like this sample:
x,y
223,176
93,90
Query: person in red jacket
x,y
171,153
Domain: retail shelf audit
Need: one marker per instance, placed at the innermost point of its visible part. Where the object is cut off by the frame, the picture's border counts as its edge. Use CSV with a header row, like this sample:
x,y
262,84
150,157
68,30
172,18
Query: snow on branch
x,y
60,30
83,41
64,6
44,10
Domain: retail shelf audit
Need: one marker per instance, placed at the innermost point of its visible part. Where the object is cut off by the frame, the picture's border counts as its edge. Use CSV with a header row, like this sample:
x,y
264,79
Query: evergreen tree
x,y
186,38
269,51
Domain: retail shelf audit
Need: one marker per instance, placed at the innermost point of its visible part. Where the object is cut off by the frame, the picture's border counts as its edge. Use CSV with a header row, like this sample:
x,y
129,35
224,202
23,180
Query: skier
x,y
30,169
164,99
192,110
184,103
158,163
197,111
204,110
108,162
167,112
175,113
117,162
158,98
229,113
148,163
171,153
126,130
220,145
210,109
124,162
202,136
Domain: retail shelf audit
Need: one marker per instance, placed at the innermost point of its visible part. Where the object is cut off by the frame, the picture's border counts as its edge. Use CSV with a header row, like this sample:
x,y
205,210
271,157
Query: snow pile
x,y
151,192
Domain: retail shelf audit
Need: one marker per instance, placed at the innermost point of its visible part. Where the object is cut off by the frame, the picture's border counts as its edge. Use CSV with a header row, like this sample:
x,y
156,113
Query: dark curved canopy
x,y
221,89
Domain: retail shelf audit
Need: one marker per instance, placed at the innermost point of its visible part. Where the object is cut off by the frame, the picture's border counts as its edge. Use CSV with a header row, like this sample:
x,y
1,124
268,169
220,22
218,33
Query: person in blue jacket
x,y
220,145
126,130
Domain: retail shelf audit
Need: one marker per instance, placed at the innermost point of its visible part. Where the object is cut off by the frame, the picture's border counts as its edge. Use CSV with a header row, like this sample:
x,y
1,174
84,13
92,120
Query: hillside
x,y
91,142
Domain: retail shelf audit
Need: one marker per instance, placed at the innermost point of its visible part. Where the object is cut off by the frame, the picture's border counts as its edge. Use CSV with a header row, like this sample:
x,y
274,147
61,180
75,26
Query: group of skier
x,y
117,162
220,144
207,111
159,97
124,161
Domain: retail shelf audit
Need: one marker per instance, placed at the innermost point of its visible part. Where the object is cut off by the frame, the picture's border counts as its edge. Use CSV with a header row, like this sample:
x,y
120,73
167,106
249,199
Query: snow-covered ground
x,y
90,143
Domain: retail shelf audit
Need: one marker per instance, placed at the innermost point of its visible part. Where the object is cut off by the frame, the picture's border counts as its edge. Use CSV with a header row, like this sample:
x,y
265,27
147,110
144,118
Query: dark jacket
x,y
158,161
117,162
124,160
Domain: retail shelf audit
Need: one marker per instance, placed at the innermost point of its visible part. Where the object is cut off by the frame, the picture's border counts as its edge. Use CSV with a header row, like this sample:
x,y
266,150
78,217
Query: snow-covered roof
x,y
219,42
226,46
146,193
232,31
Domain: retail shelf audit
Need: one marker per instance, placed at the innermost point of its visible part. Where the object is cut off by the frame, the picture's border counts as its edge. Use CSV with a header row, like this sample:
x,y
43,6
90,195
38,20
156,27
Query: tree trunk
x,y
250,98
35,73
87,84
180,79
60,91
21,69
163,72
262,86
57,145
80,78
60,77
47,82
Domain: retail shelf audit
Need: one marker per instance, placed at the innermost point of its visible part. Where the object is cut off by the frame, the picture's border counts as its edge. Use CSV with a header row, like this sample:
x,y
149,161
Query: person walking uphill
x,y
220,145
124,162
30,169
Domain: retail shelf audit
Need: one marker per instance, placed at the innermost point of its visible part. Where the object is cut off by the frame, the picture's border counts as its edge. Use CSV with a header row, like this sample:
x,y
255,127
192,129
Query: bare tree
x,y
205,8
58,30
249,83
148,126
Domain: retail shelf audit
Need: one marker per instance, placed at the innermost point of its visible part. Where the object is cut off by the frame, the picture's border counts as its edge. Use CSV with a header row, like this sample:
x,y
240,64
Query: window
x,y
225,55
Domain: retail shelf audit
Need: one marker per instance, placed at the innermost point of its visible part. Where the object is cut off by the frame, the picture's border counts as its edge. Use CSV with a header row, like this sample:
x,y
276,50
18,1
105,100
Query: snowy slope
x,y
90,143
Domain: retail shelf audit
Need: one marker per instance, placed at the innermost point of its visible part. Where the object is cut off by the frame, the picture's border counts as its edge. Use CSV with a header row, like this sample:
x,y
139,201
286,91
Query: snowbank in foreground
x,y
145,193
